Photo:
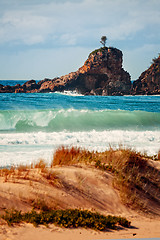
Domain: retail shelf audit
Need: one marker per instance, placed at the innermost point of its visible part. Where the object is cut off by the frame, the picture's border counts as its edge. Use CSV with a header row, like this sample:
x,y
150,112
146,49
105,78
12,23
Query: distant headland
x,y
101,74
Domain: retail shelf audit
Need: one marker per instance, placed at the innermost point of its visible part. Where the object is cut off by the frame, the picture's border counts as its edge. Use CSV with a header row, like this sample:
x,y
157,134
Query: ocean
x,y
33,125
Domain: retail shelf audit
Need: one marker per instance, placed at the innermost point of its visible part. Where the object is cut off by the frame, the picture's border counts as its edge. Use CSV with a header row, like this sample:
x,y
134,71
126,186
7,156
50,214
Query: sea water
x,y
34,125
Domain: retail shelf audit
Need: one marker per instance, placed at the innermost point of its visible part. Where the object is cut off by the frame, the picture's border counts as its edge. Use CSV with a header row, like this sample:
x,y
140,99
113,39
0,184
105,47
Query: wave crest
x,y
77,120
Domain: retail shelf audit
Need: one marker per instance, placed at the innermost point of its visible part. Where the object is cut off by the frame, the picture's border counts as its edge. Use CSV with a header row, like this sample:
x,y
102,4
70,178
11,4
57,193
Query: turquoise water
x,y
33,125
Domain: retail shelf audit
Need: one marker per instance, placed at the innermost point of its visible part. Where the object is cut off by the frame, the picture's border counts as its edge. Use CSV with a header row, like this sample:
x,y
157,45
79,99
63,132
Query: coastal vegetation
x,y
102,49
69,218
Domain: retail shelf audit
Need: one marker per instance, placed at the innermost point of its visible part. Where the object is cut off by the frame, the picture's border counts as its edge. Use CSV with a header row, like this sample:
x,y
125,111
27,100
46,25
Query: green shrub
x,y
102,49
69,218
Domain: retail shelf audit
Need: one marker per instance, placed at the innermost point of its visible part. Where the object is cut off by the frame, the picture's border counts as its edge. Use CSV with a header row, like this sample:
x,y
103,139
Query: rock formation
x,y
101,74
149,81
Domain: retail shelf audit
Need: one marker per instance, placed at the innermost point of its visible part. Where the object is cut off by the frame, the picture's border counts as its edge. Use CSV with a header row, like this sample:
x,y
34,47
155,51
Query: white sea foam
x,y
25,148
70,93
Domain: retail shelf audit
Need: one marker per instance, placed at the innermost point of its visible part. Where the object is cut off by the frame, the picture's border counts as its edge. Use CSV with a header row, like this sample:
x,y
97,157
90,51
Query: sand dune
x,y
70,187
64,187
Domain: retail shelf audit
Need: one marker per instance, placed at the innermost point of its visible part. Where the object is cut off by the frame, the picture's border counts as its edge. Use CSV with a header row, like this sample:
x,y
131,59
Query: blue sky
x,y
50,38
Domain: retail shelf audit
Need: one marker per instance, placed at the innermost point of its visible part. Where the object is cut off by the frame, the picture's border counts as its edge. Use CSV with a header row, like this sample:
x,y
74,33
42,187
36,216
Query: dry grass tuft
x,y
7,173
40,204
40,164
70,156
51,176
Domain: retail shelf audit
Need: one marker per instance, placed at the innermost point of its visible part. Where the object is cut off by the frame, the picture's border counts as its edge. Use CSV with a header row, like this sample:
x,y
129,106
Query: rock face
x,y
101,74
149,81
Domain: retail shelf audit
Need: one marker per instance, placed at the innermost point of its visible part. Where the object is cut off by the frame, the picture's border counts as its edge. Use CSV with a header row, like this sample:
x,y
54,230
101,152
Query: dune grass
x,y
137,181
74,155
69,218
133,176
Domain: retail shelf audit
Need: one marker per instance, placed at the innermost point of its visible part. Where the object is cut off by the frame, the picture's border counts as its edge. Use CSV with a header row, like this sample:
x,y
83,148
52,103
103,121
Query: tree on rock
x,y
103,40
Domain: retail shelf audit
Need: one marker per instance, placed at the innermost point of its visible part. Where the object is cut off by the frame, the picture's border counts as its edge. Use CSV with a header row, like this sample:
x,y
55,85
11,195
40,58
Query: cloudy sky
x,y
50,38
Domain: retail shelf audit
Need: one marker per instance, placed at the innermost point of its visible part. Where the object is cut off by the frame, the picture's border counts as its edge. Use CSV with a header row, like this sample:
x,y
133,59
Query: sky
x,y
50,38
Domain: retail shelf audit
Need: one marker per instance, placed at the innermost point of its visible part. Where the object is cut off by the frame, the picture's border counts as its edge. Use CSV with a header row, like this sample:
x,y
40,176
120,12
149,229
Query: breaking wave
x,y
77,120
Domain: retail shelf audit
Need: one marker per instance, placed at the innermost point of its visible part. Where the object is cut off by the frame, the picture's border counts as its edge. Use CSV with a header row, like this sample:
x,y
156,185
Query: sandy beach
x,y
140,228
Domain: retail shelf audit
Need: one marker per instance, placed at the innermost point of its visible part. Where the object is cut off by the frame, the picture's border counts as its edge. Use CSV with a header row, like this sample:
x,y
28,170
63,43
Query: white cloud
x,y
119,19
24,26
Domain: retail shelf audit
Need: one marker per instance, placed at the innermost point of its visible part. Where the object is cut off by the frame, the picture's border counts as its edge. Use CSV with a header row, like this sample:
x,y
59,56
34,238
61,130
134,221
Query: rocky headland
x,y
101,74
149,81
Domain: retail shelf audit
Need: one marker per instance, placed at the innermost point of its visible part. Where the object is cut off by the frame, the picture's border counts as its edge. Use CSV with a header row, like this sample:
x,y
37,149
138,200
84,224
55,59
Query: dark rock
x,y
19,90
30,85
7,89
17,85
1,88
46,86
